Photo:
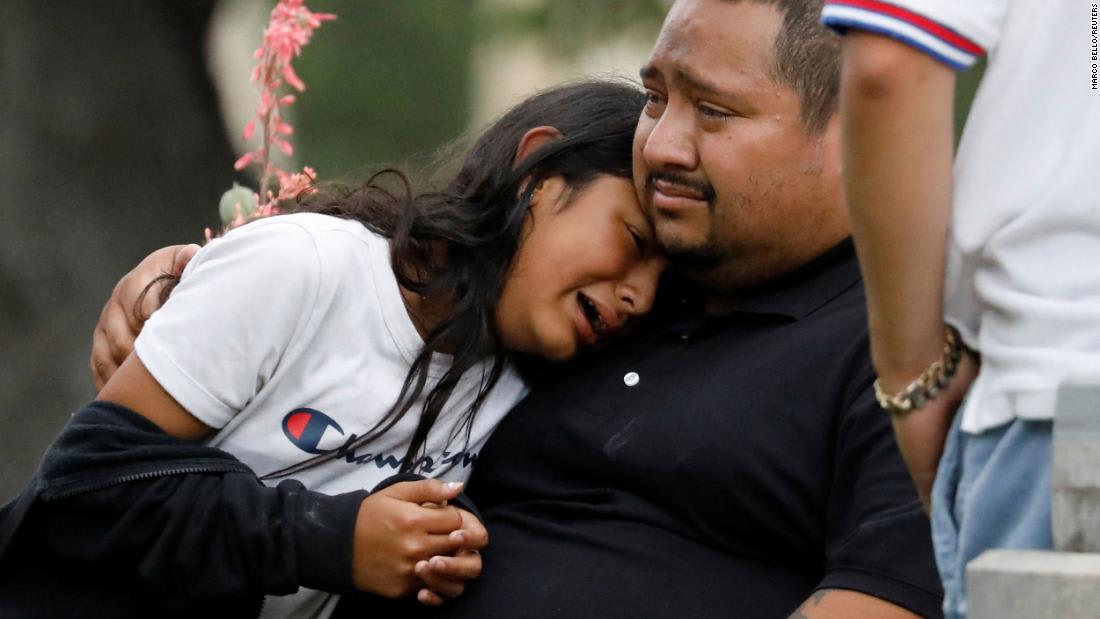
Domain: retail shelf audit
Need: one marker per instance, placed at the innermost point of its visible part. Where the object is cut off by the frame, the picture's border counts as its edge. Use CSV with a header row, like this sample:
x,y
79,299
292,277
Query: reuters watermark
x,y
1095,16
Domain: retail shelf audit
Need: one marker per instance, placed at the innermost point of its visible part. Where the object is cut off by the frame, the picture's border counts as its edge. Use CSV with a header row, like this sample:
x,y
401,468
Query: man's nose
x,y
670,143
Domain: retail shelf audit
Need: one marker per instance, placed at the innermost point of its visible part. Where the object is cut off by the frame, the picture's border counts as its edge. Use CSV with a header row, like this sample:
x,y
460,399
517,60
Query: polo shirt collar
x,y
806,289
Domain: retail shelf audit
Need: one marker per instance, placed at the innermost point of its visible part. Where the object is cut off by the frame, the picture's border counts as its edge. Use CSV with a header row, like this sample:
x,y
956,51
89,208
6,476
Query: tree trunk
x,y
111,145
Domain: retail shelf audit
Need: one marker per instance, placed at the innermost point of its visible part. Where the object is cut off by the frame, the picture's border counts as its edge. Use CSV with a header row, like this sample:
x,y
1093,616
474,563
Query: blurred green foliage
x,y
965,88
390,80
568,27
387,80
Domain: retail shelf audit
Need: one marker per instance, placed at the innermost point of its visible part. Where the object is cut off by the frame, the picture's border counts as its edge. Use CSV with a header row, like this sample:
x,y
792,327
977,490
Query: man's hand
x,y
119,323
446,577
845,604
395,530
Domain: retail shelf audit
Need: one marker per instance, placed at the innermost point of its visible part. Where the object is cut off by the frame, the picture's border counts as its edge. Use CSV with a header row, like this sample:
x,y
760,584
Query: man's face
x,y
740,190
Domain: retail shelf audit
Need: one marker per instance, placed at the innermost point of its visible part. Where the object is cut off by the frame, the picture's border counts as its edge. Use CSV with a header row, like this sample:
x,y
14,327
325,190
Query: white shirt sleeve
x,y
222,333
955,32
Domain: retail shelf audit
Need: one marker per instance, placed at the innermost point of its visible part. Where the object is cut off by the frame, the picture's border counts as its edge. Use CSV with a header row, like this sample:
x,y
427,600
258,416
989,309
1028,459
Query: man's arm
x,y
121,319
840,603
897,111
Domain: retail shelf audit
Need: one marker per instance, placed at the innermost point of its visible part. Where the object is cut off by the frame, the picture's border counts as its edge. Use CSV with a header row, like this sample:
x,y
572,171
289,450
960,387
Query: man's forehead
x,y
709,44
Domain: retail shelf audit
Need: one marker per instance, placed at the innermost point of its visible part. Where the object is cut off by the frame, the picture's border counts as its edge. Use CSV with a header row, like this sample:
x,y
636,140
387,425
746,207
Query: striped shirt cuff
x,y
926,35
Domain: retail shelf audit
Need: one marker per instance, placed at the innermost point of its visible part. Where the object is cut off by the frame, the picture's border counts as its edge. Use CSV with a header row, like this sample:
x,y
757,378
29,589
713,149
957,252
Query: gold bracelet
x,y
930,382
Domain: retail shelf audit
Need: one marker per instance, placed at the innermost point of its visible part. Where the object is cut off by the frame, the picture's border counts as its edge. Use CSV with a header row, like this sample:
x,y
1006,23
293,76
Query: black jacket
x,y
123,520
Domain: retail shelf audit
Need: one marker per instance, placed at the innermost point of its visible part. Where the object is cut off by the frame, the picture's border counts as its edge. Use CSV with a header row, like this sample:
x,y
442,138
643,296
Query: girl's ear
x,y
535,139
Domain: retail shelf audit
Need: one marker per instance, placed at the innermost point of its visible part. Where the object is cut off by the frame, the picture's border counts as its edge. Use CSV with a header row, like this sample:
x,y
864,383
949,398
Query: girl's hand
x,y
394,531
446,577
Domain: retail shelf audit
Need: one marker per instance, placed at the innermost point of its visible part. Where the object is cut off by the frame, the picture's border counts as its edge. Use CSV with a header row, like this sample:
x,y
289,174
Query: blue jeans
x,y
992,491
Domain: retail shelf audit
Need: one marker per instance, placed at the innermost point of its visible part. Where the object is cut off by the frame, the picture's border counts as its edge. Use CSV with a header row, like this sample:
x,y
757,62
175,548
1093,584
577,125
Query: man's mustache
x,y
703,188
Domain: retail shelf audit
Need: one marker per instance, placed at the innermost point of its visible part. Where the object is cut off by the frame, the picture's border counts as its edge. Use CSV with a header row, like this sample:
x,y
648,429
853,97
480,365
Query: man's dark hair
x,y
807,58
476,222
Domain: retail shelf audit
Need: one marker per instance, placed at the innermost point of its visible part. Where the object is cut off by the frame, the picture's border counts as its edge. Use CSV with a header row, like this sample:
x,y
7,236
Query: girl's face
x,y
587,267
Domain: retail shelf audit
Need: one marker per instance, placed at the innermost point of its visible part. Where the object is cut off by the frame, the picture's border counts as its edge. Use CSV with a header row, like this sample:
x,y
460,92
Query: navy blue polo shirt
x,y
722,466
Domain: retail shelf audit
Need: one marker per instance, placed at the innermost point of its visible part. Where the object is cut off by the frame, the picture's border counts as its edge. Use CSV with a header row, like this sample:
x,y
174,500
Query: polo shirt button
x,y
631,379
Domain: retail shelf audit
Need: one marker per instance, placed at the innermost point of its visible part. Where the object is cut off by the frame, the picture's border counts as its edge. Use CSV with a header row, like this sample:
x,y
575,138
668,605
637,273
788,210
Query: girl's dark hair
x,y
476,223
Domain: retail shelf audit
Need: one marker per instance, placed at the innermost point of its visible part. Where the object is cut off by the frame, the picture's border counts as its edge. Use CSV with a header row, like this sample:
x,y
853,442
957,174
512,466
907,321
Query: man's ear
x,y
535,139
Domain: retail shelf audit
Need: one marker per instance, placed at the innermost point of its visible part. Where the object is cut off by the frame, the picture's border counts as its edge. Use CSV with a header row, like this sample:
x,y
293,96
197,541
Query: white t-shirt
x,y
290,336
1023,264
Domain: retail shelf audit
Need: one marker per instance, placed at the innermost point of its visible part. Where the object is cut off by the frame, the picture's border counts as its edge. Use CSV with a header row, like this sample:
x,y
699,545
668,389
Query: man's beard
x,y
689,257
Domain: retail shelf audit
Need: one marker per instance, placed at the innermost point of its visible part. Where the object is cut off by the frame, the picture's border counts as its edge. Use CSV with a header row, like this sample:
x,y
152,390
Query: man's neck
x,y
725,287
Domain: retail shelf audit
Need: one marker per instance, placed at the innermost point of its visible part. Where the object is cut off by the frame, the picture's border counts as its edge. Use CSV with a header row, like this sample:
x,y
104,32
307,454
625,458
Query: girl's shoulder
x,y
305,237
312,224
305,251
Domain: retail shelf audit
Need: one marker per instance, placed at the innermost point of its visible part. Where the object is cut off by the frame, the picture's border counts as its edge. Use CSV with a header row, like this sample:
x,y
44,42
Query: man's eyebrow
x,y
701,84
695,82
650,72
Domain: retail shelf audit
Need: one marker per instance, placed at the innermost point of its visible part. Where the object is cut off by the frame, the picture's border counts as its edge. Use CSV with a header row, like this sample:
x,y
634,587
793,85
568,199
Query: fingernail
x,y
458,536
437,563
454,485
420,567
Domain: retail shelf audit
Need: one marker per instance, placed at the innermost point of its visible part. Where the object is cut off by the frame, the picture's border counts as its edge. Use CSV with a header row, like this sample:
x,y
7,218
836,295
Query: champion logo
x,y
306,427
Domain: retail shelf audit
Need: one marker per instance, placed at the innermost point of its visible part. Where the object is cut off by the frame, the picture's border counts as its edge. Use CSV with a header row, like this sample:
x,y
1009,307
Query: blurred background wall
x,y
120,121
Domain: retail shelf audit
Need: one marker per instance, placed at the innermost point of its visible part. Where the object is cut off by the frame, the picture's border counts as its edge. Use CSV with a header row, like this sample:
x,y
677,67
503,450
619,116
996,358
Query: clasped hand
x,y
407,538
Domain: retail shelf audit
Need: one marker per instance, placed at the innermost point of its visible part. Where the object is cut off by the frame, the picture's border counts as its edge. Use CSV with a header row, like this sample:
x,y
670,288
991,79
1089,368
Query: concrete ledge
x,y
1025,584
1075,469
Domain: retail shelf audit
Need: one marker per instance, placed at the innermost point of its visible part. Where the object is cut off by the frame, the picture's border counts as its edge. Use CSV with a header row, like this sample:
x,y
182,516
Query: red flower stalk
x,y
289,30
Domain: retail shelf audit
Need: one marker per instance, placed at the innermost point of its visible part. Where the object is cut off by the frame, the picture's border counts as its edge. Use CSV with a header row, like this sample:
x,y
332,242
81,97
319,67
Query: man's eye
x,y
712,112
654,105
